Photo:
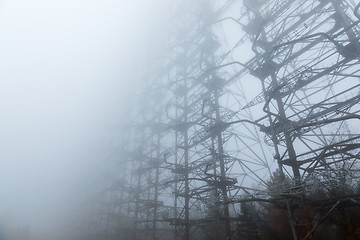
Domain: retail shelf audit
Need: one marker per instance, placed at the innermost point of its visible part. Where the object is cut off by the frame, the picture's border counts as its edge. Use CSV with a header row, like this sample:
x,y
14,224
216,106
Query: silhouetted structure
x,y
199,149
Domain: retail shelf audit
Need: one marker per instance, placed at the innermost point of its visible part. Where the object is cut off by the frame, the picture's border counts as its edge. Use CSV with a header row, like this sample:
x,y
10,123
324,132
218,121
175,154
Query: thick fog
x,y
67,69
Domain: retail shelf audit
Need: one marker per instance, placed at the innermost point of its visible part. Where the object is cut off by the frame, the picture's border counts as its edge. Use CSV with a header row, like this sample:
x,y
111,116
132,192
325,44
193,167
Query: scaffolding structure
x,y
247,88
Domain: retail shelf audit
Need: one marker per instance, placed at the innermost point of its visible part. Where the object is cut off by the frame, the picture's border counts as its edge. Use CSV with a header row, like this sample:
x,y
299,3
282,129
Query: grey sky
x,y
65,67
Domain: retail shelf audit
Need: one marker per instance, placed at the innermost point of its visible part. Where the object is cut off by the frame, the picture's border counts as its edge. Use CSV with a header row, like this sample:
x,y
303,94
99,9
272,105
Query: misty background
x,y
68,71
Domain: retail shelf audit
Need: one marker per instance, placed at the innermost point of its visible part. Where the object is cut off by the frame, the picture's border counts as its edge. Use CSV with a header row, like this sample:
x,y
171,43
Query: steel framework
x,y
247,88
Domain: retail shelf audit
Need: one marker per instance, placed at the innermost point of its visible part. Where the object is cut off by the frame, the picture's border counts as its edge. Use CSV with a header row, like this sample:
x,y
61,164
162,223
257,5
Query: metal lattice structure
x,y
247,88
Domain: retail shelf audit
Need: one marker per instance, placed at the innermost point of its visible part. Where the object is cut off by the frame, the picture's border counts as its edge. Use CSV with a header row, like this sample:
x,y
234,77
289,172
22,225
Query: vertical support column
x,y
186,168
156,188
291,153
176,175
222,168
289,144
